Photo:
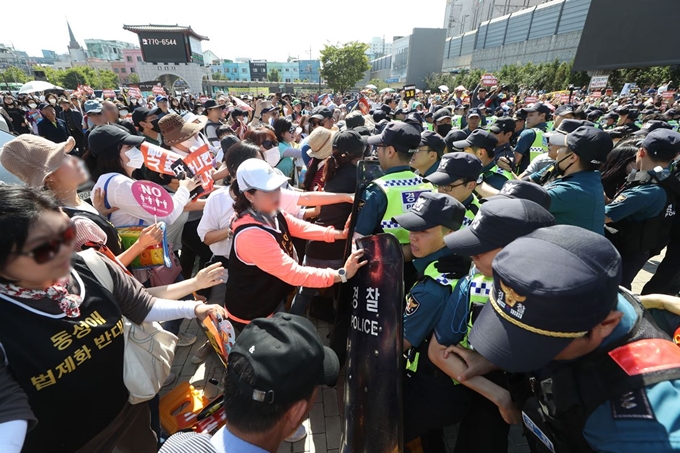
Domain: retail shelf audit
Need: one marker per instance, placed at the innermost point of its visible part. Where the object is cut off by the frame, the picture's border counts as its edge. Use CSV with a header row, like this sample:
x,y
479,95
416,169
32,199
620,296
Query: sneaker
x,y
298,435
202,353
170,379
185,339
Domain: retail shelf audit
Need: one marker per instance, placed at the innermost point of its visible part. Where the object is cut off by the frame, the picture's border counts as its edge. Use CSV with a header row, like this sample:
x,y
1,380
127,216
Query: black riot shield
x,y
373,384
367,171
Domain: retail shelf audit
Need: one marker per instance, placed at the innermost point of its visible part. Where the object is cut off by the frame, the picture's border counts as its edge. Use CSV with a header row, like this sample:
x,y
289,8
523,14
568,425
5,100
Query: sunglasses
x,y
47,251
269,144
450,187
292,130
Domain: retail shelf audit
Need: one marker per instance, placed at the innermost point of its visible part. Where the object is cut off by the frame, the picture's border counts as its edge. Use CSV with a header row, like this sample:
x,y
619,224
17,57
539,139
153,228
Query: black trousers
x,y
666,279
431,402
192,246
631,263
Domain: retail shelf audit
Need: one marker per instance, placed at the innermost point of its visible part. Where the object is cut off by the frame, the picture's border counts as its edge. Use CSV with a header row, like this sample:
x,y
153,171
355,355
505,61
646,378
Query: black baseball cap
x,y
520,114
321,112
589,143
533,316
563,110
212,104
287,358
454,166
441,114
611,115
567,126
430,210
538,107
354,120
663,144
103,137
497,223
479,138
433,141
428,115
140,114
501,125
653,125
379,115
349,141
43,105
474,112
402,136
525,190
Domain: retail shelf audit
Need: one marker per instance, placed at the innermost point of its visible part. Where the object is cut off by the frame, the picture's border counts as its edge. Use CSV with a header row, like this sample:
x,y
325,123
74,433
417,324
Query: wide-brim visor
x,y
413,222
509,346
331,368
441,179
557,139
461,144
374,140
466,242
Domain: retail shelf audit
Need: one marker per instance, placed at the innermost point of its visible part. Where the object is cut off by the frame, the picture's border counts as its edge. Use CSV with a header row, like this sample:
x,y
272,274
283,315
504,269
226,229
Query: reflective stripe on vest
x,y
551,126
480,288
431,272
539,146
471,211
457,122
402,189
498,170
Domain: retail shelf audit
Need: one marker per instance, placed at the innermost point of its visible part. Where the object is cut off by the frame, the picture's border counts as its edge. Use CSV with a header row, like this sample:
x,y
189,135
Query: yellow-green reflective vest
x,y
674,124
551,126
496,169
402,189
471,211
431,272
539,146
457,122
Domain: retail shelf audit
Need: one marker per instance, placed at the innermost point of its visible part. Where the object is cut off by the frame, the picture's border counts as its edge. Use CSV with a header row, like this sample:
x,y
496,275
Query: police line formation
x,y
474,253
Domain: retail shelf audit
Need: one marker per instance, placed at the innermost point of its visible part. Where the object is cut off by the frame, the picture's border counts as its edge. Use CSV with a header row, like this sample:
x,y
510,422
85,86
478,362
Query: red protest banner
x,y
489,80
364,106
158,90
134,92
108,94
668,94
160,160
203,99
564,98
596,94
530,100
240,104
86,89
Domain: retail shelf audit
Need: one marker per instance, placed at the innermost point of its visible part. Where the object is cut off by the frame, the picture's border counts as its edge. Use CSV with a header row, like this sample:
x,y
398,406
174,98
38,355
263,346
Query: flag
x,y
160,160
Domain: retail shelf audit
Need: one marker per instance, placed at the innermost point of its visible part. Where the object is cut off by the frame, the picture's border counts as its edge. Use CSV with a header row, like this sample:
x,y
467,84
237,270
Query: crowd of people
x,y
523,226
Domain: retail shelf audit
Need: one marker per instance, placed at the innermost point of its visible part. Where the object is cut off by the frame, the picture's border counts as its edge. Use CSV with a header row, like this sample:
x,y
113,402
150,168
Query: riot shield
x,y
373,384
367,171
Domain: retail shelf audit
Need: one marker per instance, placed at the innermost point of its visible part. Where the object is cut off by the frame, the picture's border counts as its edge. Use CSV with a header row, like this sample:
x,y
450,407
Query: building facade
x,y
104,49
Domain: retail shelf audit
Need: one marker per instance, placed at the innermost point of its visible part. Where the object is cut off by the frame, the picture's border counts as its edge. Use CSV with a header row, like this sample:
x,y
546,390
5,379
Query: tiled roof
x,y
164,28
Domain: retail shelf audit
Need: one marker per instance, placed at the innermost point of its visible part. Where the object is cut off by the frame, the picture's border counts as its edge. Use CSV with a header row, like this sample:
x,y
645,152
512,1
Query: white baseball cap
x,y
258,174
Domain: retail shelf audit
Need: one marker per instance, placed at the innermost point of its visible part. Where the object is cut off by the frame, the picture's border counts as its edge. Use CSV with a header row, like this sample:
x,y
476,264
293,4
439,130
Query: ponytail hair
x,y
311,174
241,203
338,159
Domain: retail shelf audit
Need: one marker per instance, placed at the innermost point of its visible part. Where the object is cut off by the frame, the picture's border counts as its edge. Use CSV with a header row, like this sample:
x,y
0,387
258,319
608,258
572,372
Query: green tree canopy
x,y
344,65
12,74
274,75
380,84
106,78
133,78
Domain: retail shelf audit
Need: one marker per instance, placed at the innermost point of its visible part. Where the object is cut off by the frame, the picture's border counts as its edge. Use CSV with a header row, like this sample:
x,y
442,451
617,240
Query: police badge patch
x,y
412,305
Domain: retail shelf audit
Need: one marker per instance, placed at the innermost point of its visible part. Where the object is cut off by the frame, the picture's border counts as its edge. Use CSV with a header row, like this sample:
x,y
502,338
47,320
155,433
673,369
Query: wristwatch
x,y
343,275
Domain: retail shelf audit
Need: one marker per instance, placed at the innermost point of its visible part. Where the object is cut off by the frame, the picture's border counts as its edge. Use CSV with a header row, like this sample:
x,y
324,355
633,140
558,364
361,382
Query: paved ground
x,y
324,423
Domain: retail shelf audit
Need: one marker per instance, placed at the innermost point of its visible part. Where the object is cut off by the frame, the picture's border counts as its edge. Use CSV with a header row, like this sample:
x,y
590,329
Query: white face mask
x,y
53,101
123,113
193,143
133,101
90,124
272,156
32,105
136,158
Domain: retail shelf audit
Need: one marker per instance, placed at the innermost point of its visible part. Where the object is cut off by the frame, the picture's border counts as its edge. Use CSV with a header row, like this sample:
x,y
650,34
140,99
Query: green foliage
x,y
554,76
379,83
12,74
344,65
218,76
133,78
106,79
274,75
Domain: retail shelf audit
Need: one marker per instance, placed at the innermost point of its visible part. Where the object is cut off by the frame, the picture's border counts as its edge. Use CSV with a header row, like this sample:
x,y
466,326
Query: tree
x,y
274,75
218,76
14,75
344,65
77,75
133,78
379,84
106,78
51,74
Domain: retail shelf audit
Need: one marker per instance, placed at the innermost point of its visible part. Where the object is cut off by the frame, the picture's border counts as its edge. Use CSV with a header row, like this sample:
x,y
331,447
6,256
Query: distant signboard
x,y
489,80
596,94
530,100
392,80
163,47
598,82
668,94
148,86
409,91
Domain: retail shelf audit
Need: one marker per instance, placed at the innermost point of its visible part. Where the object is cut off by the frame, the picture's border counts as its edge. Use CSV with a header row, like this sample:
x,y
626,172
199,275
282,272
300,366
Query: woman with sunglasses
x,y
265,138
62,352
288,148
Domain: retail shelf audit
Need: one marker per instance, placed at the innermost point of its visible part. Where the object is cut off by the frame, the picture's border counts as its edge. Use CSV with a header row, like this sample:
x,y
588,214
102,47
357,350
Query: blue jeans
x,y
305,295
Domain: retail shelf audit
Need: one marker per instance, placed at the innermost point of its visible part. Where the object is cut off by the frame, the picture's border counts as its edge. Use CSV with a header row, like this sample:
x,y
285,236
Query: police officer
x,y
578,196
609,121
561,113
482,144
426,159
431,400
457,177
442,121
602,377
428,122
503,129
499,222
530,143
520,123
524,190
640,217
672,115
627,117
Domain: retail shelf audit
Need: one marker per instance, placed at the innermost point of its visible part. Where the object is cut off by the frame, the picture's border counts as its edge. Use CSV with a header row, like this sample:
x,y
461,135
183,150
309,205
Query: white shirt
x,y
119,195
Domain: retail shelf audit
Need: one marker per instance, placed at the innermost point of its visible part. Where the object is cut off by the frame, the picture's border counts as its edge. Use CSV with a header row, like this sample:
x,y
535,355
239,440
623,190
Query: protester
x,y
320,143
45,286
426,159
51,127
